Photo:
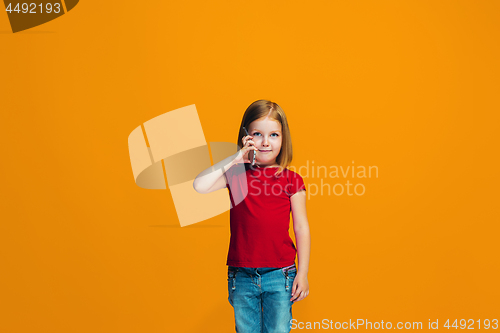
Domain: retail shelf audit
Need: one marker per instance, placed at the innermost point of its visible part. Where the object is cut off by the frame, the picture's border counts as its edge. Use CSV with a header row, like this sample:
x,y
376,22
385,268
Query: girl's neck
x,y
263,166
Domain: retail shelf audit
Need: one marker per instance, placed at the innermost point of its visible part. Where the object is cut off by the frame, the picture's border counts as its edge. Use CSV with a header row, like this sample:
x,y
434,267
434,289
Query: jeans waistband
x,y
284,269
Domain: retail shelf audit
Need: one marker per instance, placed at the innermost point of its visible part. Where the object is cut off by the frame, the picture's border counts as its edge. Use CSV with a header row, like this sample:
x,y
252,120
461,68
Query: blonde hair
x,y
264,108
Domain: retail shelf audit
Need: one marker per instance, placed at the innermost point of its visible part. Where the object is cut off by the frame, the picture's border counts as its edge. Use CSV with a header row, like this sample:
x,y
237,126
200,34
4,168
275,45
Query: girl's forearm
x,y
208,177
303,238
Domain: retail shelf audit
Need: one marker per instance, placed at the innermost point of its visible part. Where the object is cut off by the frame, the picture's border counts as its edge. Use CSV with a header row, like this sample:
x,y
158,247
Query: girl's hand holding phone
x,y
244,155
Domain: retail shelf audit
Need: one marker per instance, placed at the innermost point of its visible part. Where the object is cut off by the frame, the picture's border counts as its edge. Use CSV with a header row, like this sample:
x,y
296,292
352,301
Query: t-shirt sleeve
x,y
296,184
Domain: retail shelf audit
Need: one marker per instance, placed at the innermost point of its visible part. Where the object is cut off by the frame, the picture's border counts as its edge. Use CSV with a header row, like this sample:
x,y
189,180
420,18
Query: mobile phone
x,y
254,152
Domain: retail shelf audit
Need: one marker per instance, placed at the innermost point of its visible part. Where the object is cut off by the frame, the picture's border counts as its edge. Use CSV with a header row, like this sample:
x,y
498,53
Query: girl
x,y
263,281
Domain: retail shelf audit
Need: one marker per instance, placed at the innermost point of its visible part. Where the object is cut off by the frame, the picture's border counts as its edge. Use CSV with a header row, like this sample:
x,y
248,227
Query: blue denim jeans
x,y
261,298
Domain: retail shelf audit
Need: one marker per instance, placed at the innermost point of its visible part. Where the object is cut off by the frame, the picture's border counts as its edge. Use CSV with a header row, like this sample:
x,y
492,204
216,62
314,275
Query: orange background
x,y
411,87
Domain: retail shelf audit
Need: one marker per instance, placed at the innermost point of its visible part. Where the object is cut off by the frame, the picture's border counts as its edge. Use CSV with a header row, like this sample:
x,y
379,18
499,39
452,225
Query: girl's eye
x,y
257,133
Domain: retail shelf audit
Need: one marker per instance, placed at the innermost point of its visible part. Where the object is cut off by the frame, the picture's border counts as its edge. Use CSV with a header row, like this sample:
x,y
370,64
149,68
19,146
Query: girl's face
x,y
267,136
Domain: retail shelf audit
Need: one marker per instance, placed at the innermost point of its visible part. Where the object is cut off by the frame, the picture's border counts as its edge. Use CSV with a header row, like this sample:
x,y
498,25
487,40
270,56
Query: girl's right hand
x,y
245,154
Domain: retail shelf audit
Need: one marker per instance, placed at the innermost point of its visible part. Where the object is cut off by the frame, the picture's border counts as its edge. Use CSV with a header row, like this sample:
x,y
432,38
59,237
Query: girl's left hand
x,y
300,288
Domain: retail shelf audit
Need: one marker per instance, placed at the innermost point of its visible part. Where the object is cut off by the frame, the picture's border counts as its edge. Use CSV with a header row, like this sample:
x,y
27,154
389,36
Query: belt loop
x,y
234,278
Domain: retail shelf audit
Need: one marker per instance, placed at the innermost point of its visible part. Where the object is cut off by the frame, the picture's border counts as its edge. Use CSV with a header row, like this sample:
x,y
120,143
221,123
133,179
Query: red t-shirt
x,y
260,216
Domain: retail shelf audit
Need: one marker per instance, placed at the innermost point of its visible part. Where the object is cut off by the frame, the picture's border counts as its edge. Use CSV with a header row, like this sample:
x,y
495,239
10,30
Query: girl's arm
x,y
212,179
300,287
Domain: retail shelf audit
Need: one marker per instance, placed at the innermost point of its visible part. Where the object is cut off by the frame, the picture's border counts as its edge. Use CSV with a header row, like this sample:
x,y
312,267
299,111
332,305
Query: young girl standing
x,y
263,280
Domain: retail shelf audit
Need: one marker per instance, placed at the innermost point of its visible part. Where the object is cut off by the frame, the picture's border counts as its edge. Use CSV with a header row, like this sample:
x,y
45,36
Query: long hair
x,y
264,108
